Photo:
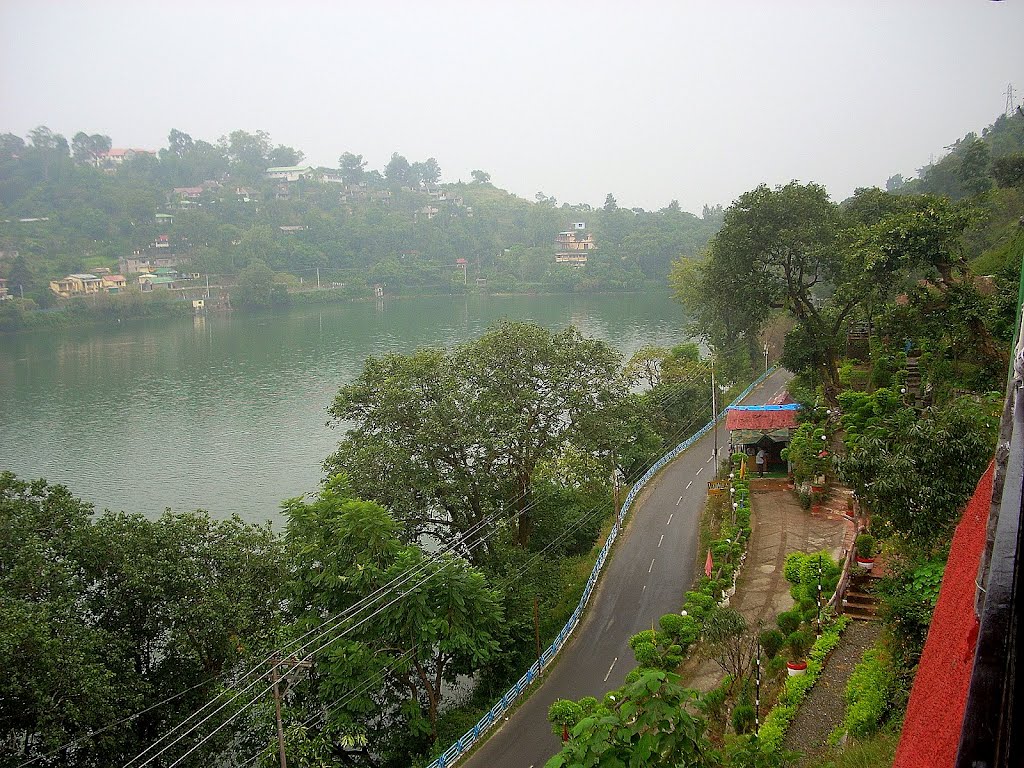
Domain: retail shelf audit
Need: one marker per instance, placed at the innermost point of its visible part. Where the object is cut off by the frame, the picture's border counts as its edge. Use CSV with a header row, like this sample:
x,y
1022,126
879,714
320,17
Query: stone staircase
x,y
913,380
860,601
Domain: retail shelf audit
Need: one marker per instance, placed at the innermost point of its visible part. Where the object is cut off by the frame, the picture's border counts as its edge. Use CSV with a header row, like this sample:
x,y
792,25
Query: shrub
x,y
868,694
771,642
799,643
794,564
713,703
681,629
865,545
697,604
788,621
743,719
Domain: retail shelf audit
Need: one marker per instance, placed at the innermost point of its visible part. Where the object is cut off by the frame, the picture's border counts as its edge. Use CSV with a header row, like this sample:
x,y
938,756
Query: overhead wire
x,y
366,602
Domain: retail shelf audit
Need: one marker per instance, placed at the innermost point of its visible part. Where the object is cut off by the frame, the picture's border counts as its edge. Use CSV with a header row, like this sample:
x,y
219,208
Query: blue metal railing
x,y
470,737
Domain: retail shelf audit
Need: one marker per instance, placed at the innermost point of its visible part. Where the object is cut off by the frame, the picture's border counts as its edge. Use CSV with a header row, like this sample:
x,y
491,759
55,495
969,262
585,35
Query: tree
x,y
916,470
442,624
397,169
445,439
87,149
648,722
11,145
1008,170
45,140
779,248
352,167
107,617
975,164
610,204
284,156
255,283
481,177
179,143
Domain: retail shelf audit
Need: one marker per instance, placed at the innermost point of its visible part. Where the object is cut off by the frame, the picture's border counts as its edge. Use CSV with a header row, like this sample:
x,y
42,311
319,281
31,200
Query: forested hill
x,y
72,207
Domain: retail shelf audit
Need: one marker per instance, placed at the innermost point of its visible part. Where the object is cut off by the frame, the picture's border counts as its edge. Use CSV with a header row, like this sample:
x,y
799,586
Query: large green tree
x,y
398,650
103,619
647,722
446,438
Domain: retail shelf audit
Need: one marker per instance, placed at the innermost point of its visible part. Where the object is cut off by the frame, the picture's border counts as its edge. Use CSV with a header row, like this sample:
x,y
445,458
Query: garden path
x,y
825,706
778,526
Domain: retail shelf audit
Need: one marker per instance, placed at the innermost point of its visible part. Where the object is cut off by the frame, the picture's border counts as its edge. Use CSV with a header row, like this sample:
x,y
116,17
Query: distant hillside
x,y
71,207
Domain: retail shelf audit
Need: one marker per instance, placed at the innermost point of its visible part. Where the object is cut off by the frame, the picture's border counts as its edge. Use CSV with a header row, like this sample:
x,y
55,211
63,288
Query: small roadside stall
x,y
762,427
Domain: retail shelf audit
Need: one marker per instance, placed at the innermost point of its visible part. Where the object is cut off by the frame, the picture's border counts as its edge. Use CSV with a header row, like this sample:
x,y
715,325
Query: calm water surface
x,y
229,413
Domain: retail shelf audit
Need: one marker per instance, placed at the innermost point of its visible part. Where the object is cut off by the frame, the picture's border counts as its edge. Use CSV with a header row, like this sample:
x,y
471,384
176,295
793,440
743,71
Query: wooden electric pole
x,y
275,678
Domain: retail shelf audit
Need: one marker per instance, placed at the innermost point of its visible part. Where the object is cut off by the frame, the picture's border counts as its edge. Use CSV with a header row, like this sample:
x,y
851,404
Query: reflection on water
x,y
228,413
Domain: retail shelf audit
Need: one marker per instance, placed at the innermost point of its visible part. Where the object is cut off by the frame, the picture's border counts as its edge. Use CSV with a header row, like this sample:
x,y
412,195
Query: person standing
x,y
761,460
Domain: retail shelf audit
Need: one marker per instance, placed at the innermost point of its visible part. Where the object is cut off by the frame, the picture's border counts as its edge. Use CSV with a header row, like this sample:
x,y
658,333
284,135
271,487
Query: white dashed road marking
x,y
688,485
661,540
700,470
670,519
610,669
652,566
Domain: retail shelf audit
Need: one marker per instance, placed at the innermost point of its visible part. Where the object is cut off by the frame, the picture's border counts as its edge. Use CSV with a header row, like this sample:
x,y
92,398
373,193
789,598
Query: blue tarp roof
x,y
787,407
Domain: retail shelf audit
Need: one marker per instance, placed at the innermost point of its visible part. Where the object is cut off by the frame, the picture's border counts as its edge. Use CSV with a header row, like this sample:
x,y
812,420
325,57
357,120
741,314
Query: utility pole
x,y
275,678
318,277
615,487
207,286
536,624
1009,100
714,412
766,357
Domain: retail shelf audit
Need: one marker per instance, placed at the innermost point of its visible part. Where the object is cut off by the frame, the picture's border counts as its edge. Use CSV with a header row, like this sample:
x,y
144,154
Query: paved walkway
x,y
778,526
825,706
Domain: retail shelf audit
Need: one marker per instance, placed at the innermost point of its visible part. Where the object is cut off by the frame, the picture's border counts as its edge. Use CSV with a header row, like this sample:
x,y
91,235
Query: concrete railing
x,y
496,712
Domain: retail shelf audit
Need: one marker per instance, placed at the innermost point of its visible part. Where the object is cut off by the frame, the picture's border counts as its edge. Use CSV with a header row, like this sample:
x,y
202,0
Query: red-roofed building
x,y
768,428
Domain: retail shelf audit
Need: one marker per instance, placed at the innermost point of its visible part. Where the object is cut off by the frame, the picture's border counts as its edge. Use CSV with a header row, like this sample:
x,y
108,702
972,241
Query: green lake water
x,y
228,413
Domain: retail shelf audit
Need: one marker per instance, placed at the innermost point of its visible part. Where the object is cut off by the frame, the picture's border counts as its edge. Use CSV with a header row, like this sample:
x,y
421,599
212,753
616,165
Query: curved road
x,y
652,563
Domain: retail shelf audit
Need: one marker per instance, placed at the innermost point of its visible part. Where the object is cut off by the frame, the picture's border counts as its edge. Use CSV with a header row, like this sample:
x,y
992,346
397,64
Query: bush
x,y
712,703
697,604
868,694
865,545
789,622
794,564
799,643
681,629
743,719
771,642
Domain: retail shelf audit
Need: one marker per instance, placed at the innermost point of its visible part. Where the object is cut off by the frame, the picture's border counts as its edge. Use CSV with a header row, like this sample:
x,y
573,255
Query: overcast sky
x,y
697,101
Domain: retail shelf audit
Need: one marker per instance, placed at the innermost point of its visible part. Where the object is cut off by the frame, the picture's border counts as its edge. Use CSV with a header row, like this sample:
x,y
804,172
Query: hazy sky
x,y
698,101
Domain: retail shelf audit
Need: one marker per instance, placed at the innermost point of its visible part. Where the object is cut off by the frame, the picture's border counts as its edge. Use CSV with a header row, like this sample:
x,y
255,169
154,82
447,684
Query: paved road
x,y
652,564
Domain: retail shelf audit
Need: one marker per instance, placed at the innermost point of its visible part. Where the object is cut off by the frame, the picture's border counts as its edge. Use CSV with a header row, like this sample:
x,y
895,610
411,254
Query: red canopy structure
x,y
762,418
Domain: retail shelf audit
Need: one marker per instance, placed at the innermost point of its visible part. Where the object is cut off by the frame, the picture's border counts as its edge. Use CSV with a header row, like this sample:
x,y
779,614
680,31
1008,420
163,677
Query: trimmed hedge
x,y
868,694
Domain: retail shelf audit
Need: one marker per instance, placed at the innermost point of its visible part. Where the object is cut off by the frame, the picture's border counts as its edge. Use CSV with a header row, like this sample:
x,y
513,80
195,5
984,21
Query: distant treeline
x,y
70,207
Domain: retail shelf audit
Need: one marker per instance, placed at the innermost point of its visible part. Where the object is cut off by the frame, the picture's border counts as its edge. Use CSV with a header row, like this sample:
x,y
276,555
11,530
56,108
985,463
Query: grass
x,y
875,752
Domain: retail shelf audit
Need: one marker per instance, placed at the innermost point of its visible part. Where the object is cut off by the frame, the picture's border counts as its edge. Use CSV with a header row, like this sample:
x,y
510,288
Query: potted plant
x,y
865,547
799,643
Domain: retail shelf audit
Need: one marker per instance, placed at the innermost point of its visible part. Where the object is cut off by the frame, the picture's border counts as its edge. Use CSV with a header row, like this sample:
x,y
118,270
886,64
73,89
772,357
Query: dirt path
x,y
779,526
824,707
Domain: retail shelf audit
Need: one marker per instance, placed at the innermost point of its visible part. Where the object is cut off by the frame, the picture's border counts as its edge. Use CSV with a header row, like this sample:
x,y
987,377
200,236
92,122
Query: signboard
x,y
717,486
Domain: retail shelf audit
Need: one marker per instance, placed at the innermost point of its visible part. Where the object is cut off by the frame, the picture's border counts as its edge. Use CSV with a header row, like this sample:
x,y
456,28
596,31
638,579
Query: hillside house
x,y
3,288
116,156
288,173
78,284
573,246
114,283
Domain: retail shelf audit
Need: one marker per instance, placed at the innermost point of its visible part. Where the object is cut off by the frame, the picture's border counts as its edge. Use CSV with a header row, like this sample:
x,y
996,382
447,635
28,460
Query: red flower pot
x,y
796,668
865,562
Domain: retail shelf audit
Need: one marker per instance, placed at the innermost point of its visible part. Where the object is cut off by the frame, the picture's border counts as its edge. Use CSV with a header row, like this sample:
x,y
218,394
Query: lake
x,y
228,413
